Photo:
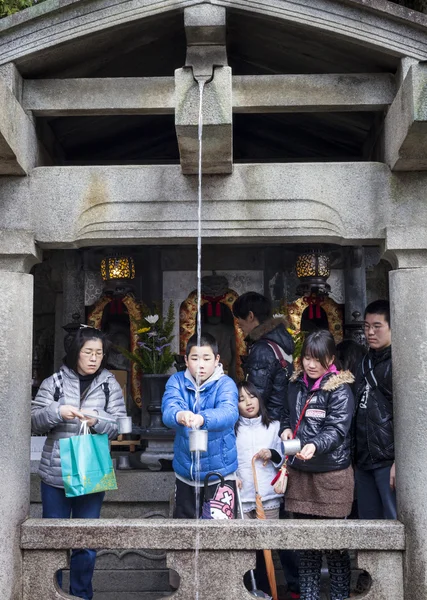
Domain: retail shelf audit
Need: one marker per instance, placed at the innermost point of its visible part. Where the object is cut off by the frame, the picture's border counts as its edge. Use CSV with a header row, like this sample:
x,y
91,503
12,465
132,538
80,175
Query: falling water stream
x,y
199,330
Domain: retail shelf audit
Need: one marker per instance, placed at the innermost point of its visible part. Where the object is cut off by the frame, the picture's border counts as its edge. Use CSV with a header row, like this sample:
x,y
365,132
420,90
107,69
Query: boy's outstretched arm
x,y
226,412
173,402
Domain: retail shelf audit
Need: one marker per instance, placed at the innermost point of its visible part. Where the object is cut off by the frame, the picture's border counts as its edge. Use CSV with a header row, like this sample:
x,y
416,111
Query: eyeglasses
x,y
97,353
368,327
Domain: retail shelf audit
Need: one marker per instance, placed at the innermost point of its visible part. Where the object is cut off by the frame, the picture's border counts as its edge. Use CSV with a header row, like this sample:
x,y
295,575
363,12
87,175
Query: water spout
x,y
196,455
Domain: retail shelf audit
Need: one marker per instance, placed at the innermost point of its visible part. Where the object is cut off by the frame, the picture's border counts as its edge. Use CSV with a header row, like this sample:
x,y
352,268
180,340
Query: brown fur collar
x,y
333,382
266,327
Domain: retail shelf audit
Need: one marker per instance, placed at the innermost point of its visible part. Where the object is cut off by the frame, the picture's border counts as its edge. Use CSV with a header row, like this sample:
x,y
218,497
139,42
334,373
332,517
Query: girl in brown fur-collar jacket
x,y
319,413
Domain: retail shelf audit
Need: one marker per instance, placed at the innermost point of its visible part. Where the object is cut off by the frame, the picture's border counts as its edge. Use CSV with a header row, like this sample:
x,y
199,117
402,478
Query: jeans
x,y
375,498
57,506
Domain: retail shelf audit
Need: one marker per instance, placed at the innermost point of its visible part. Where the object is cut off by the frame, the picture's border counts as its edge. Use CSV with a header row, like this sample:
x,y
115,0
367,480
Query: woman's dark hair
x,y
254,391
350,355
82,336
321,346
252,302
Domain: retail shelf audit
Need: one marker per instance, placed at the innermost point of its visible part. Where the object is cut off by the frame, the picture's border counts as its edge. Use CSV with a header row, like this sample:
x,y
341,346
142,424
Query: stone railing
x,y
226,550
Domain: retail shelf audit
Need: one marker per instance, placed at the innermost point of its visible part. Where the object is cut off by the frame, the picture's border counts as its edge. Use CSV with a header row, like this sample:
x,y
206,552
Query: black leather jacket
x,y
326,422
262,368
374,431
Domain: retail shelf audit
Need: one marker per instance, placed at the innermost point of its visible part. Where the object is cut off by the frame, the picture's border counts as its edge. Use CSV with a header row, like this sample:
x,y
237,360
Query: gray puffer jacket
x,y
47,420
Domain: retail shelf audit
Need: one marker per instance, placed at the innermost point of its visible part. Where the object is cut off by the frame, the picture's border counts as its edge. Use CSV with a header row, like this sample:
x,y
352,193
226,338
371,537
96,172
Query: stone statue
x,y
218,320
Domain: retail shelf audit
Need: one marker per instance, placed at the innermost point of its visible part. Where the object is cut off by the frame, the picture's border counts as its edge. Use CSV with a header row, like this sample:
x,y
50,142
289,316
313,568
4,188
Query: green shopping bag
x,y
86,464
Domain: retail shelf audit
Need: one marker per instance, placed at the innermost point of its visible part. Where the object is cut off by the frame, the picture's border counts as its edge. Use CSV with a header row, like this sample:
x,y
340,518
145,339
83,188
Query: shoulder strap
x,y
107,394
372,380
283,358
310,396
57,380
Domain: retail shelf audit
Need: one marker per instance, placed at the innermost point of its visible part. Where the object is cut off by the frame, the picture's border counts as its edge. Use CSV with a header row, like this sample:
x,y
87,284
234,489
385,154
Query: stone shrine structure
x,y
315,118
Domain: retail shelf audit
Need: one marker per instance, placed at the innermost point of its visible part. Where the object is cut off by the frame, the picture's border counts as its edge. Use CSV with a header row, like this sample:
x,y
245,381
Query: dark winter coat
x,y
262,368
326,422
218,407
374,432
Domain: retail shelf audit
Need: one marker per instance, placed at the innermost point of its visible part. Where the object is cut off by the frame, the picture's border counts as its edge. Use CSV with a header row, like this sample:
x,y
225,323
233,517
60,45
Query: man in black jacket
x,y
374,432
269,362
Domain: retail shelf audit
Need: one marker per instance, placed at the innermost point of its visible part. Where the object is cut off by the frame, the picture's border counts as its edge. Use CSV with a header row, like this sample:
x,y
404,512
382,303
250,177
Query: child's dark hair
x,y
379,307
252,302
320,345
206,339
252,390
350,355
83,335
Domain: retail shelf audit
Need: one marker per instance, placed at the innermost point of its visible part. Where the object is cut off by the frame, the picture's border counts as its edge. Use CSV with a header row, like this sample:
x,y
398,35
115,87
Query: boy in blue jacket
x,y
216,410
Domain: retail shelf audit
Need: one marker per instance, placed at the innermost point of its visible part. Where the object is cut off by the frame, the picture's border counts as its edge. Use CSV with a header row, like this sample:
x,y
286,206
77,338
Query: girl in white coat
x,y
257,436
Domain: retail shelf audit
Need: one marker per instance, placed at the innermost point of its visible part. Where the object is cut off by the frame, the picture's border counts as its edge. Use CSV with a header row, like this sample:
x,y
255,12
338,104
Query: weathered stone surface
x,y
319,93
39,575
386,571
16,312
377,24
405,127
223,547
217,121
232,566
331,202
18,141
124,95
409,334
18,251
258,94
133,486
205,25
212,535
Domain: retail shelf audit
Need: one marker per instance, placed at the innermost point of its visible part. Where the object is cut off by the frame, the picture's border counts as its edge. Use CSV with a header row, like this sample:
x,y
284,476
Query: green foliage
x,y
155,336
9,7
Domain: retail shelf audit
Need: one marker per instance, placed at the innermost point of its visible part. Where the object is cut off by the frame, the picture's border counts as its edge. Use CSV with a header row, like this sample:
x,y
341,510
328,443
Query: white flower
x,y
152,319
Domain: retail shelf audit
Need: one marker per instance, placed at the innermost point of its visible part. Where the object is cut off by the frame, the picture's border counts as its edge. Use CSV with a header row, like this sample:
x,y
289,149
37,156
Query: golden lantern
x,y
117,267
313,269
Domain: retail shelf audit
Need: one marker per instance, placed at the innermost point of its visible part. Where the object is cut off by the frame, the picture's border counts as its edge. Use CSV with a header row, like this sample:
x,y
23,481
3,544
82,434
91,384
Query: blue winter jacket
x,y
218,407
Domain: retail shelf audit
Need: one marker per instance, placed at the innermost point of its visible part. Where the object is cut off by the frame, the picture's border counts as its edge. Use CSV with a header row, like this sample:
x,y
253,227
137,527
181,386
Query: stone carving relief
x,y
336,281
177,285
94,287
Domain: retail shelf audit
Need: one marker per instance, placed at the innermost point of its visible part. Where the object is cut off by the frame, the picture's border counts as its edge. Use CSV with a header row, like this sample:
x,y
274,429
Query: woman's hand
x,y
263,454
91,421
239,483
307,452
69,412
286,435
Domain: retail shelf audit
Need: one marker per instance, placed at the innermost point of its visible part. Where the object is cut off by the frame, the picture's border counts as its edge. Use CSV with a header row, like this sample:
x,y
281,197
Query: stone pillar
x,y
355,282
73,287
17,255
408,294
355,293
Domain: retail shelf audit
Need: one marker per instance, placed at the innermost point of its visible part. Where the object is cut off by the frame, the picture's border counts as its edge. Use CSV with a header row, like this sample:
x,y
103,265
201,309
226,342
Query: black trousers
x,y
185,500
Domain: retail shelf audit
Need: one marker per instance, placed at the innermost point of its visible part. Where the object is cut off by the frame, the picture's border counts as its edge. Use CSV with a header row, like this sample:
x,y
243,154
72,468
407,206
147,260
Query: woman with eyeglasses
x,y
82,385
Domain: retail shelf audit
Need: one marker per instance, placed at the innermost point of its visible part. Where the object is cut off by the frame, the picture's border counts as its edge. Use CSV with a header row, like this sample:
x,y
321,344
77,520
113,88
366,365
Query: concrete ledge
x,y
58,534
133,486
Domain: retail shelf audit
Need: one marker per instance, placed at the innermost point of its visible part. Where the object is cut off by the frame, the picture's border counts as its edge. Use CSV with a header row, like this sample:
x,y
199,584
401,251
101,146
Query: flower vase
x,y
159,437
